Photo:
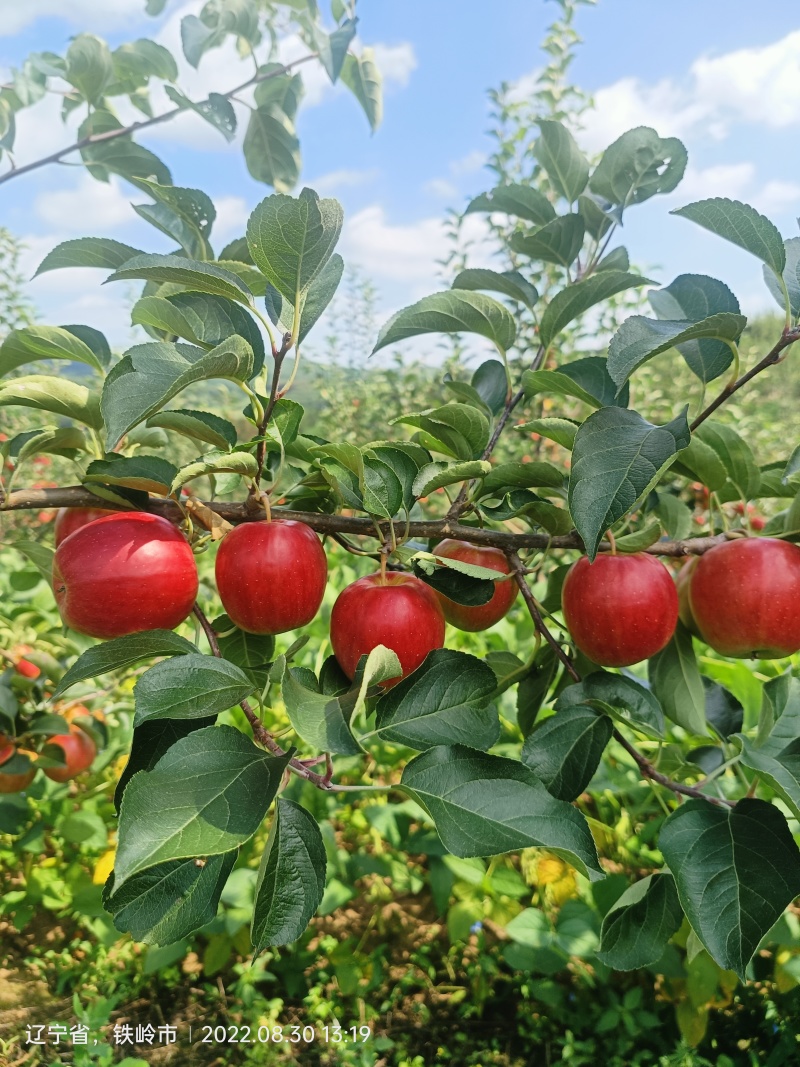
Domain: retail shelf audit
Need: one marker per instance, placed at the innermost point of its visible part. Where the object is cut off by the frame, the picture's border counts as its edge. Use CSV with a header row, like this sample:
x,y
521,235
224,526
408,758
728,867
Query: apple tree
x,y
598,517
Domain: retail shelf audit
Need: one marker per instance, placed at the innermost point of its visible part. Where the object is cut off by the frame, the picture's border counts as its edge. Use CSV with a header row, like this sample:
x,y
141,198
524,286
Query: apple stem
x,y
645,766
612,541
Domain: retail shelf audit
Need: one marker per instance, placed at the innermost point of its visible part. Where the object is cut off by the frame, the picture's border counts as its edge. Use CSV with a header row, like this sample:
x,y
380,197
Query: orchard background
x,y
517,854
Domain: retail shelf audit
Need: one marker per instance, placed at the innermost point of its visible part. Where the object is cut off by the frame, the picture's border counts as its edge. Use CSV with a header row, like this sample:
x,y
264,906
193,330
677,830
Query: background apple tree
x,y
501,752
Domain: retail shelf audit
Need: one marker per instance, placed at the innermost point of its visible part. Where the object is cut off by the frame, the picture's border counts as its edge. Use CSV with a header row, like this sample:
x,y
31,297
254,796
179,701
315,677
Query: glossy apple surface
x,y
481,616
79,752
271,576
124,573
745,596
68,520
621,609
400,612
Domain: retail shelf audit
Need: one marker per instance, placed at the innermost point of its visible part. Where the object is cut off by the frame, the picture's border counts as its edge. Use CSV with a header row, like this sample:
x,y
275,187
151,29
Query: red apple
x,y
621,609
398,611
682,579
68,520
271,575
79,752
15,783
124,573
745,596
27,669
481,616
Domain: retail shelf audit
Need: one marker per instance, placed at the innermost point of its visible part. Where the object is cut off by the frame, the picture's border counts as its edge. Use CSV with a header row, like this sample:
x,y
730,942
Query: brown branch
x,y
250,511
126,131
646,768
788,337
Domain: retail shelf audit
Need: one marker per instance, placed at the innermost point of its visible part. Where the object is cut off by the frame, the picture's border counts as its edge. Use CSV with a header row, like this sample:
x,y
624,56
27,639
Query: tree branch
x,y
126,131
645,766
250,511
788,337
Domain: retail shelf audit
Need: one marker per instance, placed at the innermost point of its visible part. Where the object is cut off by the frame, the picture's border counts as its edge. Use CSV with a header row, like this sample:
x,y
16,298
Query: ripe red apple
x,y
15,783
621,609
745,596
682,579
79,753
68,520
481,616
398,611
124,573
271,575
27,669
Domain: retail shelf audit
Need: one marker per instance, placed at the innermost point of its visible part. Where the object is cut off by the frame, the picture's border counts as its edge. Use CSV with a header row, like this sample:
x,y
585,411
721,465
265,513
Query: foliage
x,y
561,824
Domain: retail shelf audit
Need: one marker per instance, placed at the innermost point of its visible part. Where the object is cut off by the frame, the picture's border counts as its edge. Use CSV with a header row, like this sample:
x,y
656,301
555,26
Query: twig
x,y
126,131
251,510
279,354
645,766
788,337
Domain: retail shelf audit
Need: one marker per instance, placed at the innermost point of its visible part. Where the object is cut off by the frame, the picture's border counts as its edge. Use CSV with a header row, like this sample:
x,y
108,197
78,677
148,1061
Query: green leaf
x,y
774,755
332,48
403,466
639,339
381,489
150,375
453,311
485,805
562,431
462,428
88,252
252,652
243,463
736,871
625,700
150,474
464,583
207,794
150,741
558,242
197,38
617,259
362,76
167,902
57,442
89,66
675,515
618,456
434,476
291,239
585,379
445,701
735,454
185,215
271,148
791,278
638,165
291,878
638,926
216,109
573,301
138,61
564,751
319,294
57,395
122,156
697,297
189,687
489,381
509,283
740,224
533,473
677,684
122,652
522,201
563,162
40,556
197,425
318,719
191,275
381,665
702,462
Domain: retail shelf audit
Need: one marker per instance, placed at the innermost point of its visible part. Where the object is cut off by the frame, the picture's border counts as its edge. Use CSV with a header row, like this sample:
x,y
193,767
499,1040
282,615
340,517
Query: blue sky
x,y
723,75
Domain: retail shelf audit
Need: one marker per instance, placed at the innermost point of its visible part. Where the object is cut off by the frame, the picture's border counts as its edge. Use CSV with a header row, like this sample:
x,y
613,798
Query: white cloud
x,y
753,85
441,187
778,196
341,179
469,163
15,15
725,179
72,210
396,62
232,215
